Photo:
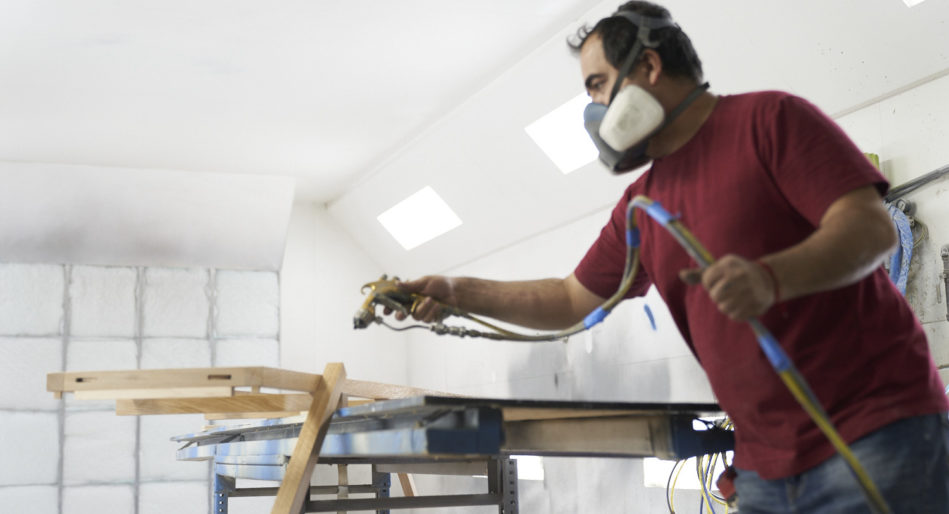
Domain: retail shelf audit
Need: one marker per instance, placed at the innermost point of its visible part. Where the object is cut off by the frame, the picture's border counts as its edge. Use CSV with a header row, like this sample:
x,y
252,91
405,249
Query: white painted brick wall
x,y
24,363
176,353
251,504
98,455
157,450
98,356
98,499
29,453
32,500
247,352
99,448
247,303
102,301
31,299
175,497
176,303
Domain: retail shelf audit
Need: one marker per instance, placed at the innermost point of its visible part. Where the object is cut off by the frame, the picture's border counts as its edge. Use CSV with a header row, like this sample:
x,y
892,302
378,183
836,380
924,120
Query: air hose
x,y
766,341
772,350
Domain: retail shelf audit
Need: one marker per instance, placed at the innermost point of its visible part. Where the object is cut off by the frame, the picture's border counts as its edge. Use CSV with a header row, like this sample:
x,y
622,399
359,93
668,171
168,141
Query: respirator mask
x,y
621,130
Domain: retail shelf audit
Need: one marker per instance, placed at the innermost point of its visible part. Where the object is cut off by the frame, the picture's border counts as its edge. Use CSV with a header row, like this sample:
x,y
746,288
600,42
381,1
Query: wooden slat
x,y
217,416
240,404
408,484
525,413
285,379
176,392
296,482
379,391
253,377
153,379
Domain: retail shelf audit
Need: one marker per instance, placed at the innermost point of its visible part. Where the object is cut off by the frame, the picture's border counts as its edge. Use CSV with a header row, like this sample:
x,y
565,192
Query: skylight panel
x,y
419,218
560,134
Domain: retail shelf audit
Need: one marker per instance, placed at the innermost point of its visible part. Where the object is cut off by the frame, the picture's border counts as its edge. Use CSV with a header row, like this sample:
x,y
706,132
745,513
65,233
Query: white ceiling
x,y
319,90
839,54
366,101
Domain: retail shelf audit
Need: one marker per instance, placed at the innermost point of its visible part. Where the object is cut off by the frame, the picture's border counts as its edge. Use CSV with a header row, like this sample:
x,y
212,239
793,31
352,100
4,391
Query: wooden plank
x,y
241,404
342,491
296,481
408,484
254,377
176,392
153,379
285,379
217,416
379,391
527,413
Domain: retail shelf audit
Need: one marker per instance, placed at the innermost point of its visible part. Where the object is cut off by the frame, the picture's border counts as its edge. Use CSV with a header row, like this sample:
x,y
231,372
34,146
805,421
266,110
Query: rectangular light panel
x,y
419,218
560,134
911,3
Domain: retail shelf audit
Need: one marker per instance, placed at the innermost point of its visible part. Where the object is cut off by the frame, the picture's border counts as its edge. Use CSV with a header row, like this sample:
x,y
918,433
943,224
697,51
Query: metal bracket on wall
x,y
944,252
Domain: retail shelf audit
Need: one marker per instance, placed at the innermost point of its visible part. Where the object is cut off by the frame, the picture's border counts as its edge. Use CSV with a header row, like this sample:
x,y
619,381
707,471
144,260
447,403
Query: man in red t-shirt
x,y
776,189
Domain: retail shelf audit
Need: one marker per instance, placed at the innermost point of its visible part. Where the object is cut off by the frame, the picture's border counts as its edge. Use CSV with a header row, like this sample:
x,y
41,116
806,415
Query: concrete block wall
x,y
74,456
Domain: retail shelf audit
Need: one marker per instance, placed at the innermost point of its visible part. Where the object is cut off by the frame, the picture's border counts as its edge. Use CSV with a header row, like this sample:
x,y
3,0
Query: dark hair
x,y
619,34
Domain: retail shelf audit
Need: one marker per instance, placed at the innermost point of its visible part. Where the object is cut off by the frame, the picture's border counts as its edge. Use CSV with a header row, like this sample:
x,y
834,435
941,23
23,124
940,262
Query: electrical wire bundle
x,y
705,474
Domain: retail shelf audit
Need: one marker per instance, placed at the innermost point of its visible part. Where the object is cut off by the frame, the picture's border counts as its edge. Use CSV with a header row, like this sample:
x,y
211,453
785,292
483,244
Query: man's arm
x,y
854,237
548,304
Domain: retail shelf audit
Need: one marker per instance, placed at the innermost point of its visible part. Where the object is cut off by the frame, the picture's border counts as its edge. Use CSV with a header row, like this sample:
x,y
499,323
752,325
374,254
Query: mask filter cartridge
x,y
632,117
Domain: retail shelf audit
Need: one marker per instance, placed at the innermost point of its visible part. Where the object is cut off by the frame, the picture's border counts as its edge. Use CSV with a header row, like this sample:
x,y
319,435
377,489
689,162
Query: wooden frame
x,y
235,392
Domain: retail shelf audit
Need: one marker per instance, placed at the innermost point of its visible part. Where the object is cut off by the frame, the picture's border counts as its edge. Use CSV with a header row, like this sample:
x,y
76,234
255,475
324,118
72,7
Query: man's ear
x,y
653,65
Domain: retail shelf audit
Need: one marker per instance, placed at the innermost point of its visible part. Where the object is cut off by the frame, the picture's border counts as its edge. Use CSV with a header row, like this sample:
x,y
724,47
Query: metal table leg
x,y
223,486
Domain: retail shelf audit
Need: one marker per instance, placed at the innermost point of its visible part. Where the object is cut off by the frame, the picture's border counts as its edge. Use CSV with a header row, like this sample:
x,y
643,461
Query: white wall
x,y
322,272
142,217
910,133
73,456
624,359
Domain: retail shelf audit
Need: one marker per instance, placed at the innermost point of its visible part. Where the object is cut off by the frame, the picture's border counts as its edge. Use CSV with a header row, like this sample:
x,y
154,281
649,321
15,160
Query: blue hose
x,y
899,262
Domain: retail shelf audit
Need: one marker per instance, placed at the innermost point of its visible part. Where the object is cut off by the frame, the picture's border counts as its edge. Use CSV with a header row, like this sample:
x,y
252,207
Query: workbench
x,y
414,432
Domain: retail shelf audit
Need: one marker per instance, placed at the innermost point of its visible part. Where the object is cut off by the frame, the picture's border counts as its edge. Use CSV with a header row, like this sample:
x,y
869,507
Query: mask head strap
x,y
644,25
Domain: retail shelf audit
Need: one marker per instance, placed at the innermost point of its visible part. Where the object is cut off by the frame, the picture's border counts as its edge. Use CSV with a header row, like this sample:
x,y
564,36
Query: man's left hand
x,y
741,289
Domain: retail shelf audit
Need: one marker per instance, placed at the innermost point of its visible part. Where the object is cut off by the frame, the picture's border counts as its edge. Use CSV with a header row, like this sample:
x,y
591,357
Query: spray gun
x,y
385,292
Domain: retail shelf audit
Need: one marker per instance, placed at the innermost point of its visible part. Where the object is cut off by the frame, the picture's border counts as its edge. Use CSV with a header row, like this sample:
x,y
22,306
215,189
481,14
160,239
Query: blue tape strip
x,y
652,319
658,213
774,353
595,317
632,238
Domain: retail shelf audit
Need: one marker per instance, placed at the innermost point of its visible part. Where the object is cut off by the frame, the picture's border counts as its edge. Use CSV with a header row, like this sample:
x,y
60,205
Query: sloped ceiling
x,y
362,102
839,54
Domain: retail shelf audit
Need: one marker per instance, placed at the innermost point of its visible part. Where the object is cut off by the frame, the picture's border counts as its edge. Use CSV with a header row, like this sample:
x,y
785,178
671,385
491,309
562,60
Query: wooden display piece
x,y
295,487
241,404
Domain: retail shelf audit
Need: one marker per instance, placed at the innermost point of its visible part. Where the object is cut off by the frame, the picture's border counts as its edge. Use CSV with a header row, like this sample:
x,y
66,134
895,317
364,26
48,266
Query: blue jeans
x,y
908,461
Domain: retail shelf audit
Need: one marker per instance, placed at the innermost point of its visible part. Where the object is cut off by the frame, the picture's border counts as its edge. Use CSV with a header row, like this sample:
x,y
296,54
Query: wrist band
x,y
774,279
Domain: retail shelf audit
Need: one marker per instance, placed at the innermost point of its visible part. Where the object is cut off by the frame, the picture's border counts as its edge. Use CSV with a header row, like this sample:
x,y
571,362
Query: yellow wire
x,y
708,480
672,497
705,493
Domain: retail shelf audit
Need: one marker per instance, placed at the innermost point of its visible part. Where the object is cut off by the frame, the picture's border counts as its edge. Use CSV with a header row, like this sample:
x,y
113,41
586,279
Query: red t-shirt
x,y
756,179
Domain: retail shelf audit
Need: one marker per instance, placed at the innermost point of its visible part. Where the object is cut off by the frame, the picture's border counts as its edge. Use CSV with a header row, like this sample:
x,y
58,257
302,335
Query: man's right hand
x,y
545,304
437,290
